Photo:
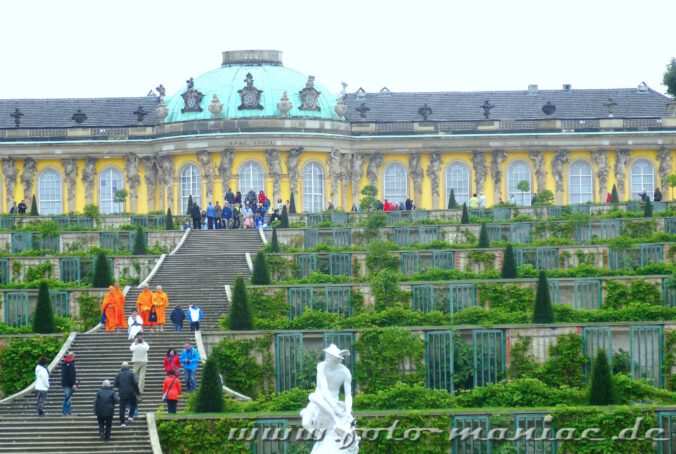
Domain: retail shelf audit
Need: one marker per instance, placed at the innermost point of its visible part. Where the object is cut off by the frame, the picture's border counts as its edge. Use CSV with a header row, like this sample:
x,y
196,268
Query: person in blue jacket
x,y
211,214
226,214
177,317
190,359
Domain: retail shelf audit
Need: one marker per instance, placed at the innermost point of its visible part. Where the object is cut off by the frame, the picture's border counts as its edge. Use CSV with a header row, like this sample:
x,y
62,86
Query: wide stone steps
x,y
71,434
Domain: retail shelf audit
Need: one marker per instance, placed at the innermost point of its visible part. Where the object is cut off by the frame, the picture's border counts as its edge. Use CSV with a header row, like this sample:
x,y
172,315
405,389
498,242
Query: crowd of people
x,y
148,315
236,212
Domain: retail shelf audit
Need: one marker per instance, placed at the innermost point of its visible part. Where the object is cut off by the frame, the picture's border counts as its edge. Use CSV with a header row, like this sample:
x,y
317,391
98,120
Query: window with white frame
x,y
642,178
457,179
313,188
110,180
49,192
395,183
251,177
517,172
190,186
580,182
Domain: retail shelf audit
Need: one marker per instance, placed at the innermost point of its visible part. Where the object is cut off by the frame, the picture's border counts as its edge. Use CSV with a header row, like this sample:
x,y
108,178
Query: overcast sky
x,y
69,48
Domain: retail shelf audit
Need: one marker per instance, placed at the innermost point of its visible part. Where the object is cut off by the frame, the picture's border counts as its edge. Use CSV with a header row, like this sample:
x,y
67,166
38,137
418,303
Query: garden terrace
x,y
286,266
454,296
152,222
119,241
499,213
572,231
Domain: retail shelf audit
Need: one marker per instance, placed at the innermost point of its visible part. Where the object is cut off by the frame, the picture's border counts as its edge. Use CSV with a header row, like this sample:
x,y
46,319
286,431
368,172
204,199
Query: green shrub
x,y
169,221
508,297
648,209
210,392
484,242
509,270
284,218
188,211
619,295
38,272
274,243
91,210
102,277
614,197
236,359
240,311
601,390
464,218
34,207
405,397
292,205
261,274
543,312
565,364
43,319
522,392
379,257
140,244
452,203
385,290
18,358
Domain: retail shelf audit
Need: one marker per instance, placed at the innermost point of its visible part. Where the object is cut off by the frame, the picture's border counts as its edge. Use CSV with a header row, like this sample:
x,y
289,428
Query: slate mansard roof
x,y
508,105
58,113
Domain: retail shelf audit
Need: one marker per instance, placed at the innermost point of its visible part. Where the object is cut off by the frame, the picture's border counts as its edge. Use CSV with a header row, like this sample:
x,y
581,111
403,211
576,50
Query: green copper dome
x,y
250,84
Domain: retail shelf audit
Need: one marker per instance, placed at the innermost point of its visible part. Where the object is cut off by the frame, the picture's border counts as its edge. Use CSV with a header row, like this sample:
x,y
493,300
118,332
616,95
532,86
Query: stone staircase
x,y
197,272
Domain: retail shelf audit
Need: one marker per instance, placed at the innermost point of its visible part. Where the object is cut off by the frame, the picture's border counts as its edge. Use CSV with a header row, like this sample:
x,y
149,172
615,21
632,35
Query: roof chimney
x,y
252,57
567,87
532,89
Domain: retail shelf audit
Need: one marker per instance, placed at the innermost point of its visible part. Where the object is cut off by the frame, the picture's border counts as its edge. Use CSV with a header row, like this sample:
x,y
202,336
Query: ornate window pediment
x,y
309,96
250,95
192,98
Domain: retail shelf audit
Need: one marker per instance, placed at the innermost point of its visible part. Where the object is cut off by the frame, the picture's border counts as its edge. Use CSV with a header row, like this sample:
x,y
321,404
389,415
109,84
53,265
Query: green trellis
x,y
480,424
537,443
646,353
595,339
439,360
587,294
16,309
271,437
488,349
288,361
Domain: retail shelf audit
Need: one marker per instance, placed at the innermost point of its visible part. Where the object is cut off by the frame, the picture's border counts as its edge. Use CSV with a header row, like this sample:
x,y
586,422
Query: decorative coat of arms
x,y
250,95
192,98
309,95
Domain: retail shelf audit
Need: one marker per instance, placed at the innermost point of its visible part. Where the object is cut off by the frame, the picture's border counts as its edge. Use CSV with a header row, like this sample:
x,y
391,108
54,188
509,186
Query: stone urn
x,y
215,107
284,105
341,108
161,111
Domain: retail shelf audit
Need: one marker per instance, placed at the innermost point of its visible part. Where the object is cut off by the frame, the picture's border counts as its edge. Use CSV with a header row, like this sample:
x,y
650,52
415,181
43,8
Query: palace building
x,y
254,124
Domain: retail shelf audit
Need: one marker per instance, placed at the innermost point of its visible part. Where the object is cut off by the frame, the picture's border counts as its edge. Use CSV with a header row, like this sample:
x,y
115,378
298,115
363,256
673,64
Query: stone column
x,y
600,159
275,169
292,159
225,169
356,174
70,176
133,179
29,165
499,157
150,178
664,159
335,173
204,158
537,157
165,173
558,163
9,172
433,174
88,179
417,174
346,177
480,172
375,162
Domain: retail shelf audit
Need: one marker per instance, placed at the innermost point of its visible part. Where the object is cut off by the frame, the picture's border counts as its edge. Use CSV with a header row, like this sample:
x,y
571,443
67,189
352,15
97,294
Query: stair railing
x,y
249,263
180,243
157,266
264,239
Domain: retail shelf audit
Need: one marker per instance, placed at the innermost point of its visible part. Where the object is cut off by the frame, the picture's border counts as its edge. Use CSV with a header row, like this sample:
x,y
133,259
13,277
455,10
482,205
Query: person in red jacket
x,y
171,389
261,197
172,362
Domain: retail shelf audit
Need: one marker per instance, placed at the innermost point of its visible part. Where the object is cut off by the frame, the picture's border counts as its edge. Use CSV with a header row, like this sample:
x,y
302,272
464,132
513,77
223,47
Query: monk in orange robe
x,y
160,303
118,296
108,307
143,304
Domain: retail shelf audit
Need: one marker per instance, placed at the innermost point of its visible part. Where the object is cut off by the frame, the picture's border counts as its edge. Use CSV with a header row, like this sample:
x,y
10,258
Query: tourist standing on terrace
x,y
211,214
473,202
68,382
41,384
22,207
218,211
196,216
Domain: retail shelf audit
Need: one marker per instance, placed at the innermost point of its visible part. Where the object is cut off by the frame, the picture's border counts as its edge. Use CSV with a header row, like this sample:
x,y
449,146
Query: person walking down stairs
x,y
104,409
41,384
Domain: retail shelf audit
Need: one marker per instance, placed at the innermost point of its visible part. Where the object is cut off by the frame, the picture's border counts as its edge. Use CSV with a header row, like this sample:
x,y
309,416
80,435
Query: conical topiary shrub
x,y
509,270
284,219
169,223
484,242
464,219
261,274
614,197
240,311
34,207
274,243
292,204
102,276
189,210
601,389
210,393
43,320
543,312
140,246
648,209
452,204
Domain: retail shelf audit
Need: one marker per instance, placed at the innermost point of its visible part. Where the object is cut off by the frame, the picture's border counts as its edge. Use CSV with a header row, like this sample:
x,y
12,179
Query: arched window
x,y
313,188
517,172
49,192
251,177
642,178
395,183
190,186
457,178
110,180
580,182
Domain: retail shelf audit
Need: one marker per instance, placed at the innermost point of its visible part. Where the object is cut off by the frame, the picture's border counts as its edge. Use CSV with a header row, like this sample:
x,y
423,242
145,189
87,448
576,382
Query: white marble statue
x,y
325,414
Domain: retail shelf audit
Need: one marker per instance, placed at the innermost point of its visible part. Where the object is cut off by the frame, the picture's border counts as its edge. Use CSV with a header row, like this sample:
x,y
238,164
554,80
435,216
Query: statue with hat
x,y
326,416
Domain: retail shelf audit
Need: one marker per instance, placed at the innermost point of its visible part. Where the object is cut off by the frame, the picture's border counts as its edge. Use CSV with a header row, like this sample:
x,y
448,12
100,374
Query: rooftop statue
x,y
325,413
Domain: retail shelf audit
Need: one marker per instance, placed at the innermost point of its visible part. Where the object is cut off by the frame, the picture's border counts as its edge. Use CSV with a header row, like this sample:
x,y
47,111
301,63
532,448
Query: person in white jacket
x,y
41,384
139,349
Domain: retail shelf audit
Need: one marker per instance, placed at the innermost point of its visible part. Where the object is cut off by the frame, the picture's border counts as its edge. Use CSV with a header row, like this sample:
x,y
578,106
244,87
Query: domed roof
x,y
249,84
